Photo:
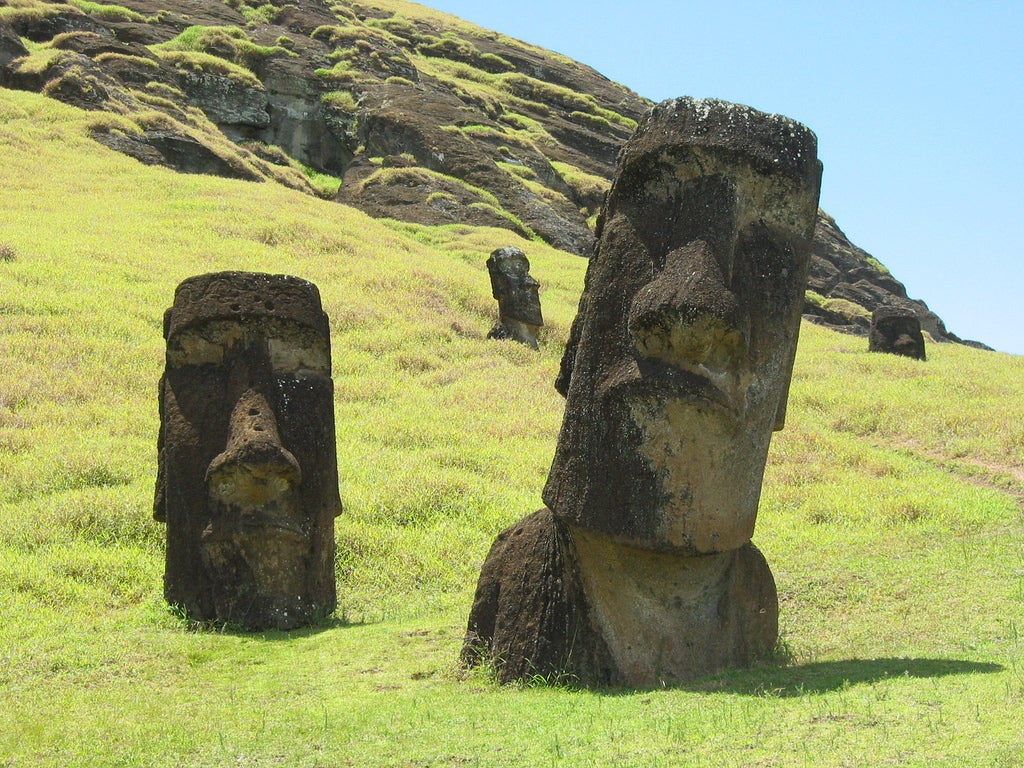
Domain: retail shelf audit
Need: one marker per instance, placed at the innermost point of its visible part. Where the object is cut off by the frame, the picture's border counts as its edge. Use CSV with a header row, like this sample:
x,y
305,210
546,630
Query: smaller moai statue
x,y
519,315
897,331
247,480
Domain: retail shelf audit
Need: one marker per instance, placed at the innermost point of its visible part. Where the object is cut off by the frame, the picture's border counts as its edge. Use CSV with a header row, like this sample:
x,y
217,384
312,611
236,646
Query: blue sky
x,y
918,108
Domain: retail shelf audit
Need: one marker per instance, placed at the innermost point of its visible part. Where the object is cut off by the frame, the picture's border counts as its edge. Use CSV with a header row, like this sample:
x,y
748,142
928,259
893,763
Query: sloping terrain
x,y
386,105
890,513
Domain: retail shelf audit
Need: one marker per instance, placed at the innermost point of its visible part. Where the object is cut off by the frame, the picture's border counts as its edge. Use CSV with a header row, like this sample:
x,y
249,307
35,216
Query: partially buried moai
x,y
897,331
248,481
517,292
641,569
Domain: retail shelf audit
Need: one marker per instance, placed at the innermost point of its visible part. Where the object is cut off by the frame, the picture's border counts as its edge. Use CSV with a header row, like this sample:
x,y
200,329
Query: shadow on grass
x,y
236,630
821,677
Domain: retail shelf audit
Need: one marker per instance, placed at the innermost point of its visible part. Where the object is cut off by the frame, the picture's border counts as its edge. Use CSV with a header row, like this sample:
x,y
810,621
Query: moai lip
x,y
247,475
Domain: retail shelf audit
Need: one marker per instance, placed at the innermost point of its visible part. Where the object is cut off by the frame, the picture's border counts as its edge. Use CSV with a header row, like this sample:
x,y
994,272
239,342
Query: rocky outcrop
x,y
11,48
502,133
846,284
485,119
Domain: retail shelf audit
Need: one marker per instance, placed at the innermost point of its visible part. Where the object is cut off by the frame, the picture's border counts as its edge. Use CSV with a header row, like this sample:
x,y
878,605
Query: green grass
x,y
325,184
190,48
20,11
891,510
107,11
197,61
343,100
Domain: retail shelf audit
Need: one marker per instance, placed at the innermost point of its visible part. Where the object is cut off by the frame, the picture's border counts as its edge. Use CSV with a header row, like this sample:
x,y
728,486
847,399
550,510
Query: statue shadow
x,y
270,635
826,676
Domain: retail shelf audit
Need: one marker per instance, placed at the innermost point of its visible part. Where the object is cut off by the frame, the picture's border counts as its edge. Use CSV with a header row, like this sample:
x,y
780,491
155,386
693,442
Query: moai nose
x,y
687,315
255,468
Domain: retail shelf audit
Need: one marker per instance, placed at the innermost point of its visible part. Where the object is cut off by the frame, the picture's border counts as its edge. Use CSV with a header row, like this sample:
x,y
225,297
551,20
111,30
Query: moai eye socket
x,y
299,356
203,344
297,351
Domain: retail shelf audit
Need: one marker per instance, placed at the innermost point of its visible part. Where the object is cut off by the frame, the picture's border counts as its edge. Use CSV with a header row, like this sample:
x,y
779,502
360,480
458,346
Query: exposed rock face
x,y
247,481
519,314
11,48
897,331
847,284
228,102
489,131
676,374
338,90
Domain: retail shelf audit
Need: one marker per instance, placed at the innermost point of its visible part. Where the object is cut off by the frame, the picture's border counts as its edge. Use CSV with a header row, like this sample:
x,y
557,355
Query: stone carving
x,y
641,569
519,315
247,480
897,331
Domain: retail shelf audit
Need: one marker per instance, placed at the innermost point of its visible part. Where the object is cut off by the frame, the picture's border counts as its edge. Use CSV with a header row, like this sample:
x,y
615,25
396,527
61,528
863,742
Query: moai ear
x,y
780,412
160,494
568,358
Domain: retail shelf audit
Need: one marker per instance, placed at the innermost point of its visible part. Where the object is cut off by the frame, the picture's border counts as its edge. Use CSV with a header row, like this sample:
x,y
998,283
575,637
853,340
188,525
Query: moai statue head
x,y
248,480
680,357
897,331
517,294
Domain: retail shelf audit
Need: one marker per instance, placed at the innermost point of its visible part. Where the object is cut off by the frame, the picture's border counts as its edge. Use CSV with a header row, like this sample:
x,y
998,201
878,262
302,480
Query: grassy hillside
x,y
891,512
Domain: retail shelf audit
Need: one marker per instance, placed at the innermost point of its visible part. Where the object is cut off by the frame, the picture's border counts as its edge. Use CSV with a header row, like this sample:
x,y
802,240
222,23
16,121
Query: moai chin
x,y
519,314
676,373
247,477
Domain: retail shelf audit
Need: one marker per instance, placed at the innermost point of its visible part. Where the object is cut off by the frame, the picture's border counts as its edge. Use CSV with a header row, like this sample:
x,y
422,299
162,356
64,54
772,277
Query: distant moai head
x,y
513,287
898,331
517,294
247,481
679,360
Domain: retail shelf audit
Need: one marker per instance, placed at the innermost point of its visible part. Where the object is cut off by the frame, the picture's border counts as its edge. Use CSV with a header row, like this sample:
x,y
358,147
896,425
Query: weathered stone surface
x,y
11,48
519,313
175,149
409,193
571,606
247,481
530,615
676,373
74,79
680,357
93,44
227,101
53,20
402,119
897,331
663,617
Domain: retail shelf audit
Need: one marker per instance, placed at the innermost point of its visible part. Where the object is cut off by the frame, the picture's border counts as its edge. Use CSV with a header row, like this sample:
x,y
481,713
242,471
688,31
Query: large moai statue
x,y
248,480
519,315
641,569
